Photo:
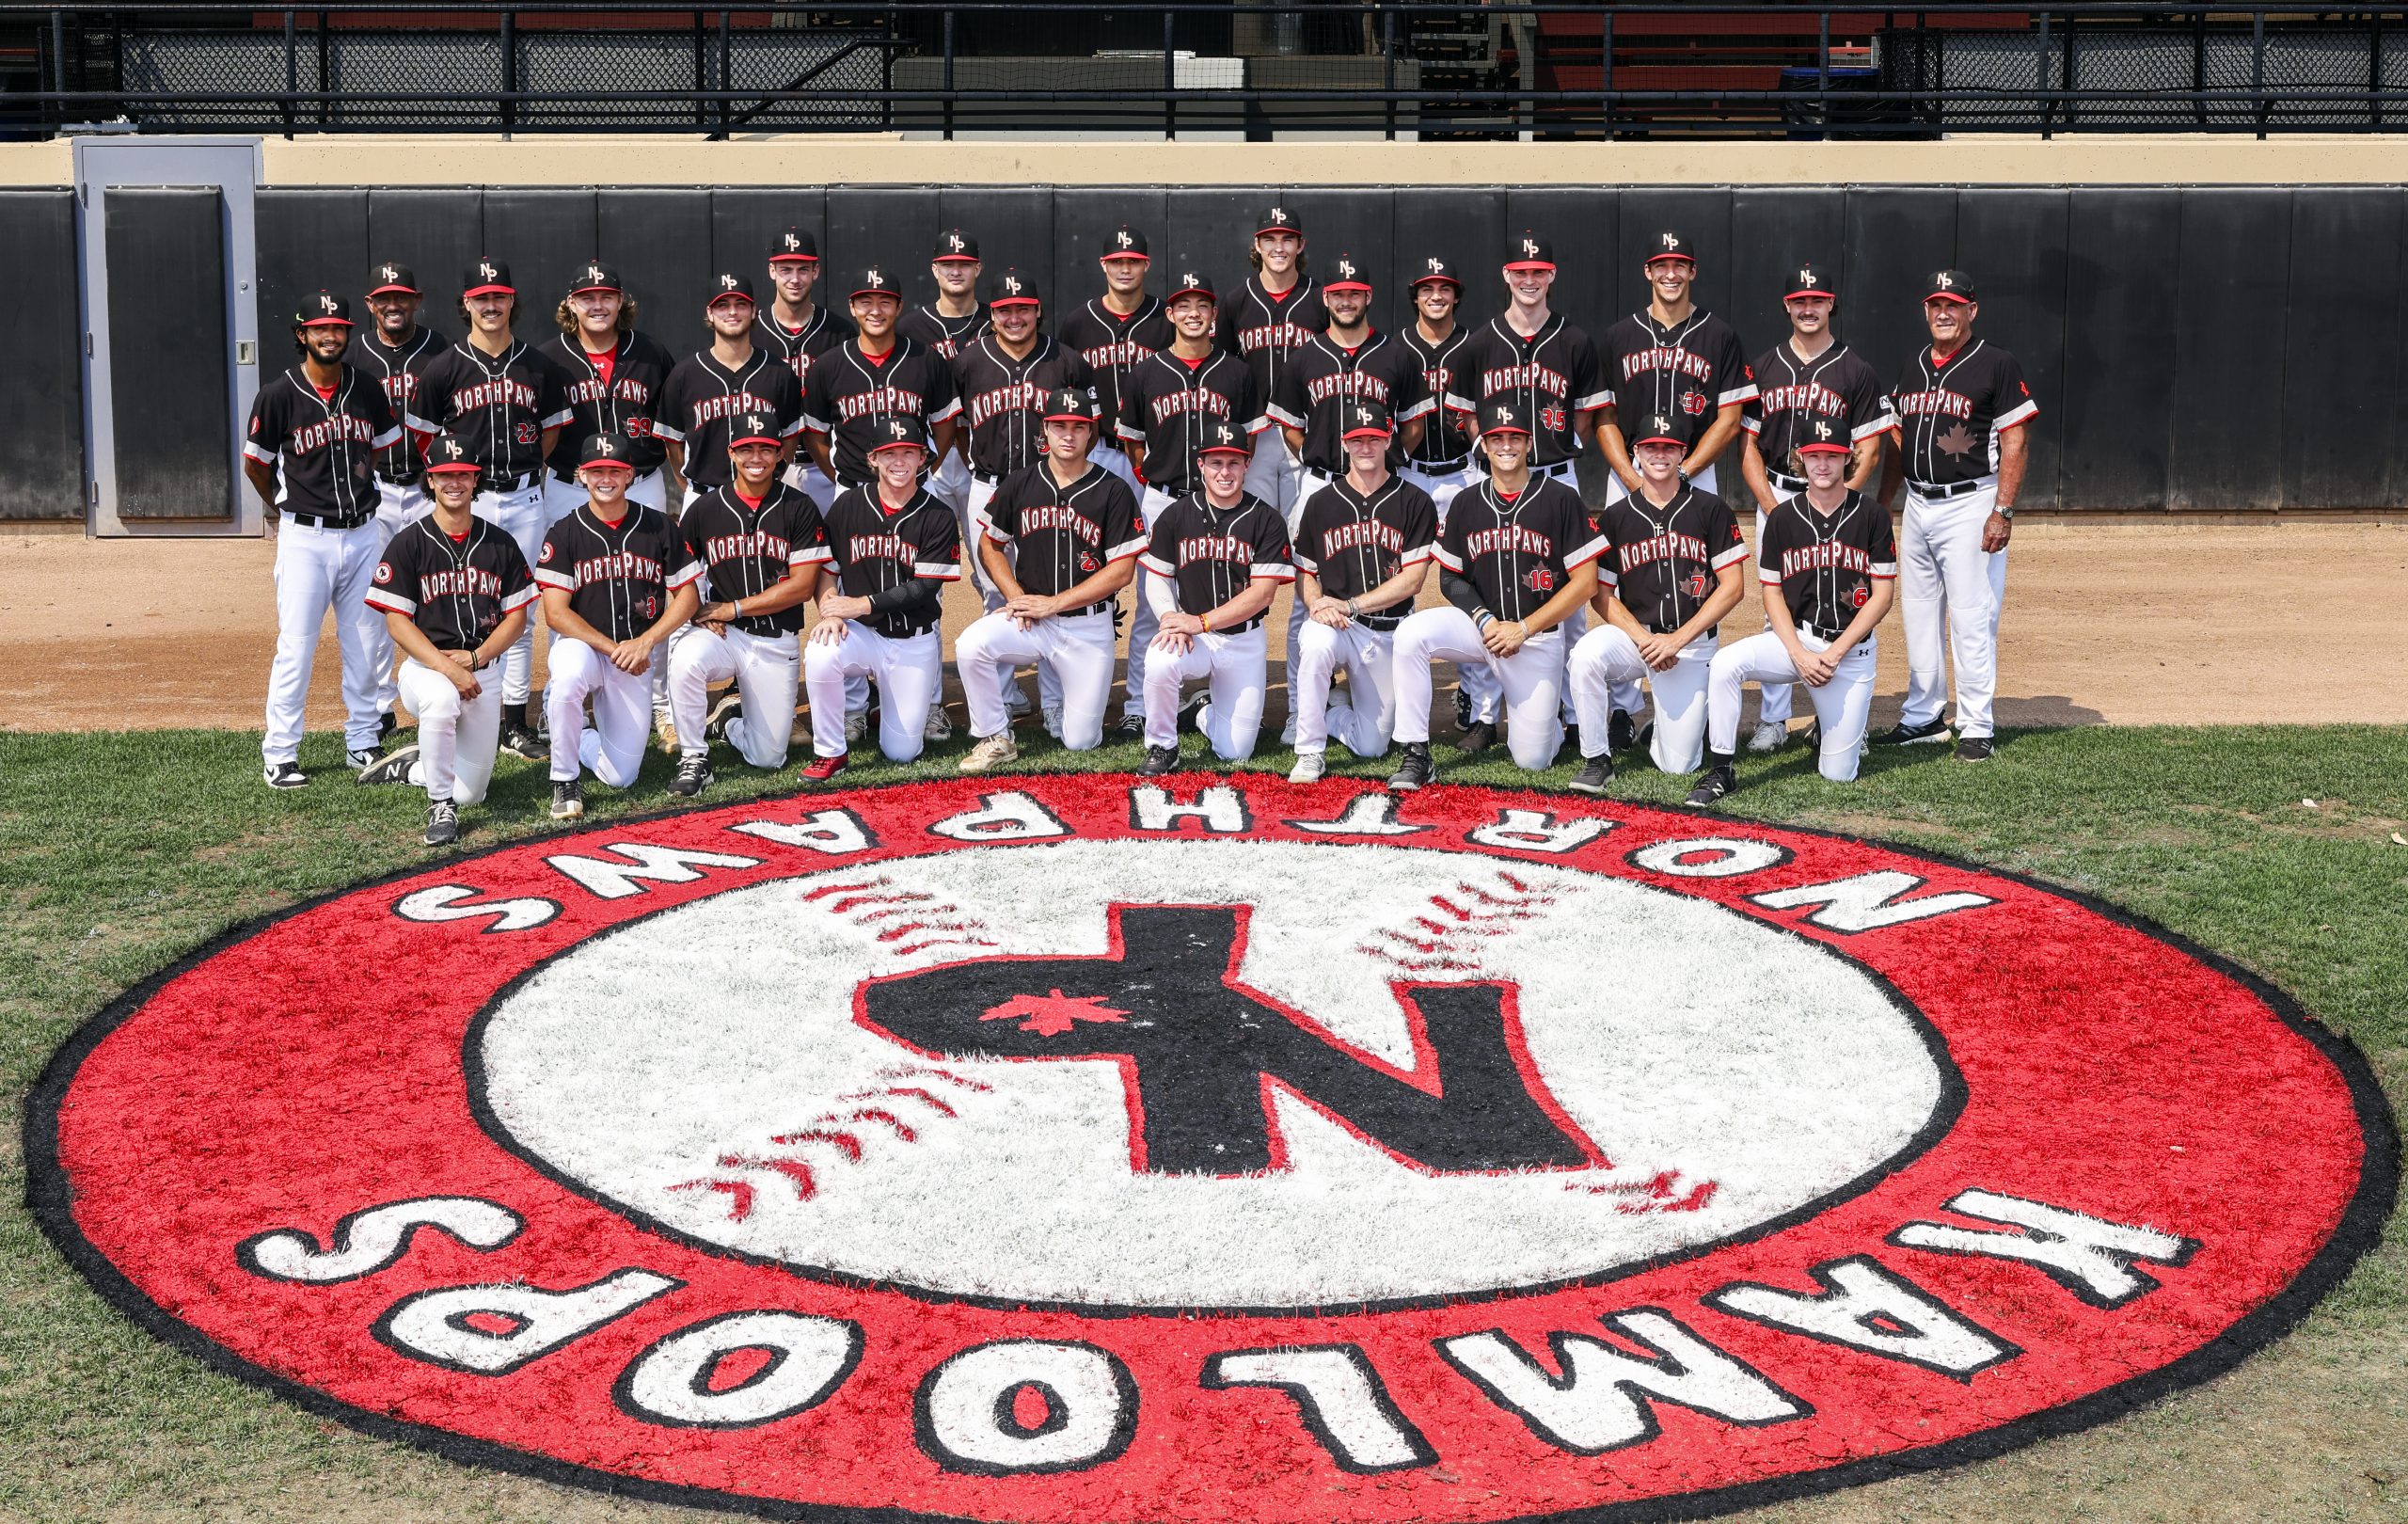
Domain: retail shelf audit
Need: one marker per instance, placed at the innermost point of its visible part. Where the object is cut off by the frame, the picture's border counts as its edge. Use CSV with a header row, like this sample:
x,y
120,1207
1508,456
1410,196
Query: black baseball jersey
x,y
1447,436
454,591
619,576
1950,414
944,336
1352,543
1323,376
746,549
1265,330
1553,375
1003,399
702,394
1662,563
1517,551
851,396
800,347
1685,372
874,549
1062,536
1168,404
610,393
1210,554
1826,563
322,446
1113,344
499,404
397,368
1791,393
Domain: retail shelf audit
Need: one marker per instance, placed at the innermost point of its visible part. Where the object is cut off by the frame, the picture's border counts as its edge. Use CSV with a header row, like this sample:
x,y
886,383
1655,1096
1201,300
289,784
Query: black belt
x,y
990,478
1928,490
1786,482
414,479
1382,622
1561,468
1439,468
326,520
493,482
1090,611
1821,632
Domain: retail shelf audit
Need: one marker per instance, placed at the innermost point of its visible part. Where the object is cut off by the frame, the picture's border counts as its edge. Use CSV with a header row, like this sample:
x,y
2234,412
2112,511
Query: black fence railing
x,y
1520,68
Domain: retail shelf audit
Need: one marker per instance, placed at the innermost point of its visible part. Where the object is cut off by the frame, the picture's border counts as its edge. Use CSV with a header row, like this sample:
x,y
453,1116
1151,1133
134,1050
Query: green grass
x,y
120,853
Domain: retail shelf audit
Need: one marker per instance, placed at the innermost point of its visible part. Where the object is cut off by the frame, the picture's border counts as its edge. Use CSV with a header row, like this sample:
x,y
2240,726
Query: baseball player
x,y
1276,310
760,543
799,330
507,404
1443,463
1961,407
1828,568
711,387
942,328
1807,376
1673,565
1005,377
893,548
618,581
453,592
614,377
1114,333
310,453
1170,403
1061,539
1218,554
1361,554
1517,556
393,350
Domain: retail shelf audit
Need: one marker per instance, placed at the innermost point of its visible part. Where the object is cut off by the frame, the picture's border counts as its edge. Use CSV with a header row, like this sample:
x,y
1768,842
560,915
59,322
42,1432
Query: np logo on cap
x,y
731,288
1497,415
1012,288
1350,276
753,428
1069,404
1659,430
1530,253
795,246
609,450
1672,245
956,245
323,309
447,453
1951,286
1191,284
1822,436
1364,419
1221,439
873,282
1277,220
1434,268
391,279
1127,244
902,433
488,276
595,277
1809,280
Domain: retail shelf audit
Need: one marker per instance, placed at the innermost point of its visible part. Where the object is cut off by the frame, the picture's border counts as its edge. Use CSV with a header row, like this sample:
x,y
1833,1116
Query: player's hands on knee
x,y
1331,611
830,630
1817,668
1172,642
634,658
1660,651
838,605
1503,637
1029,607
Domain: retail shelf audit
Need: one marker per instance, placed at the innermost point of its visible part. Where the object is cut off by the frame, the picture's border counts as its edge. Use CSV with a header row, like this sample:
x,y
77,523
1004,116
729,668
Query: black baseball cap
x,y
901,430
1347,274
1657,428
1011,288
1530,253
323,309
794,243
608,448
594,275
1127,244
1222,438
447,453
1279,220
1434,268
724,287
1365,416
1501,413
1950,286
873,282
1808,279
1072,404
1671,244
486,275
390,276
953,244
1820,435
1193,282
752,428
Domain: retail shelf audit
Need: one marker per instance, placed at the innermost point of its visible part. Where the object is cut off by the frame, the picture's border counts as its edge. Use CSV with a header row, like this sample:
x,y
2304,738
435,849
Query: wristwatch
x,y
2005,511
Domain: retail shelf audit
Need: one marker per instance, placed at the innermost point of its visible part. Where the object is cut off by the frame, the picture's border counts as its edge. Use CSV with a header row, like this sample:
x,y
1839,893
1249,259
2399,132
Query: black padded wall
x,y
2337,411
41,452
2116,424
167,318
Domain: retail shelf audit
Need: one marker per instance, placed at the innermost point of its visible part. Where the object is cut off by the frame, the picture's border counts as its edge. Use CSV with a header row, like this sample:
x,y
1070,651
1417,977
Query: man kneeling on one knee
x,y
1828,566
1674,564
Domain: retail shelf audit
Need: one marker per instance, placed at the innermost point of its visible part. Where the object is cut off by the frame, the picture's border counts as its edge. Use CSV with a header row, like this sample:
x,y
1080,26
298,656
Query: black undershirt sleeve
x,y
905,597
1459,592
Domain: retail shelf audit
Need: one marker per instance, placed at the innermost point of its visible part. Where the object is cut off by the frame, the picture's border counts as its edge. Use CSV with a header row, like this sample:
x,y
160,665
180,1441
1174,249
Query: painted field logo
x,y
1078,1149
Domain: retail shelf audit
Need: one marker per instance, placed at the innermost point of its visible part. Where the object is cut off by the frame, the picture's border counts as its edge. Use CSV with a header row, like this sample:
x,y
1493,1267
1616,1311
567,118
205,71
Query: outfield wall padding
x,y
41,451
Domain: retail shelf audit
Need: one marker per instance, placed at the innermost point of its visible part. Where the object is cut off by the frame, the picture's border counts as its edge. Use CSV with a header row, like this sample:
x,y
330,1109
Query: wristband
x,y
1207,617
1482,619
736,608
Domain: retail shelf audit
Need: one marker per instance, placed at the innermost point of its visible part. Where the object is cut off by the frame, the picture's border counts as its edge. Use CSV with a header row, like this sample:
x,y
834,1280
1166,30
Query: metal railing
x,y
1517,67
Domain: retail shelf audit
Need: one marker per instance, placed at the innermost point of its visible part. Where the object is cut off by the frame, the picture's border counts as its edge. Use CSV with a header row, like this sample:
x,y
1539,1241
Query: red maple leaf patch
x,y
1052,1014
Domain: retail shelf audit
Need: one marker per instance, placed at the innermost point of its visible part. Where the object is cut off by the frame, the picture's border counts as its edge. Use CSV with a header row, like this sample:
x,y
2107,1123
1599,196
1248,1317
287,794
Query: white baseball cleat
x,y
1768,736
1309,768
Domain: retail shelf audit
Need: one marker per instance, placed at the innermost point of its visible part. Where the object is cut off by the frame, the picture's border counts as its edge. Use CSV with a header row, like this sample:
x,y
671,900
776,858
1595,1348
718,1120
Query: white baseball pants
x,y
456,737
1626,696
767,669
612,749
1841,705
1608,657
522,515
806,478
974,534
1949,594
1232,718
1145,624
1077,647
909,673
1531,680
320,571
1369,657
397,507
1776,701
1478,682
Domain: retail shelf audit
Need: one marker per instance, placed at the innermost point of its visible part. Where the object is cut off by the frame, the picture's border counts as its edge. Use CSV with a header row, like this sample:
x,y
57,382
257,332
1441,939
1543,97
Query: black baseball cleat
x,y
1645,740
385,724
392,767
1414,769
1159,760
1476,737
1712,785
1191,711
285,775
442,823
1974,749
1932,732
693,776
1595,772
1622,733
729,707
568,798
1463,709
523,743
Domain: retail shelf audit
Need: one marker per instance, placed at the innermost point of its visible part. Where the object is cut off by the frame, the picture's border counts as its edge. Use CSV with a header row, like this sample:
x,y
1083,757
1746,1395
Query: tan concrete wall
x,y
871,160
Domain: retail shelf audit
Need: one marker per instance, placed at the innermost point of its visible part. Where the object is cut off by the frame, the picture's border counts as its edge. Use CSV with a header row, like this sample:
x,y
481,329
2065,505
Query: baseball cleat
x,y
1015,698
524,744
821,769
362,758
1622,733
568,797
387,723
664,732
442,823
856,725
1053,723
1412,770
1191,709
1712,785
1463,709
1476,737
1133,721
285,775
1974,749
729,707
1310,767
1595,772
990,753
938,726
1288,730
1159,760
1768,736
1932,732
693,776
392,767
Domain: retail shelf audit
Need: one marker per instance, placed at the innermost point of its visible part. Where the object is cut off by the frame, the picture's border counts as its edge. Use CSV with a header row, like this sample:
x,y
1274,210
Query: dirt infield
x,y
2122,623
